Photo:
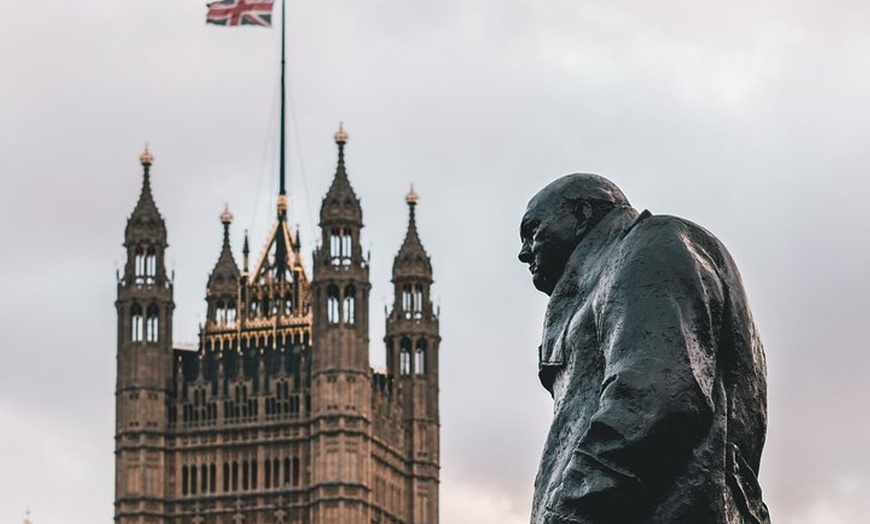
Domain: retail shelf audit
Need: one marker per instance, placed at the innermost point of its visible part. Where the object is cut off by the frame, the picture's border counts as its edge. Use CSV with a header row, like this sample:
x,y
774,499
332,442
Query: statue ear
x,y
583,212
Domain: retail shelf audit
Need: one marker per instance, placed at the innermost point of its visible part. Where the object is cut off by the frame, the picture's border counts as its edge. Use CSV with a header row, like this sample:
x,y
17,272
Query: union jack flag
x,y
240,12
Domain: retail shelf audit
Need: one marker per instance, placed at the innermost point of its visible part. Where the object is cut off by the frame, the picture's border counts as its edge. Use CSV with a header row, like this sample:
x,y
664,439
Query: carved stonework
x,y
276,413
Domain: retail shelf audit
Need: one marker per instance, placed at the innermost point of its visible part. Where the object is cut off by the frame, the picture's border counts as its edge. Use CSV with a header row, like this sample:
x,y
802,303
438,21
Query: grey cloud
x,y
748,119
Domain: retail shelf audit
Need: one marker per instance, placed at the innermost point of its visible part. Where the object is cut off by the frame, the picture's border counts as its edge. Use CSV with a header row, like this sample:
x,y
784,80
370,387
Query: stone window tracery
x,y
152,324
137,324
349,305
405,356
332,310
420,357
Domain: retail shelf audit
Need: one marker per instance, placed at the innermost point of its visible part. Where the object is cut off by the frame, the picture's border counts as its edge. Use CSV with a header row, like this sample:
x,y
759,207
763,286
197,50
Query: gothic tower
x,y
340,374
144,363
412,355
276,416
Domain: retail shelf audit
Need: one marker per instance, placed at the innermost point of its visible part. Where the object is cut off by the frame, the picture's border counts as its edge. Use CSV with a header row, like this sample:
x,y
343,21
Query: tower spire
x,y
225,276
226,220
412,259
245,252
282,192
341,140
412,198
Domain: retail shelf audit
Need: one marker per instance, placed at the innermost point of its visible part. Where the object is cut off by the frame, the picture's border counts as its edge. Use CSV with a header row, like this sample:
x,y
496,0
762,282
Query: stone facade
x,y
277,417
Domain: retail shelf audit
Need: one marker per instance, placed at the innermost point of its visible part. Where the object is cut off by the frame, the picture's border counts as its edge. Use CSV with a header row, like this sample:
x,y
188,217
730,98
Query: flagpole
x,y
282,161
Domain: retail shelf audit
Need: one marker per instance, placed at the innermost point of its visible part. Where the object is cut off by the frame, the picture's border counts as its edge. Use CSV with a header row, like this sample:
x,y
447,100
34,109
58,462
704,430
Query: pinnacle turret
x,y
340,203
412,259
224,278
145,223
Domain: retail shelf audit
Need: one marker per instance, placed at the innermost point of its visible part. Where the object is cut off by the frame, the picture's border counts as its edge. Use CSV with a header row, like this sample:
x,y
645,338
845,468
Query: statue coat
x,y
658,379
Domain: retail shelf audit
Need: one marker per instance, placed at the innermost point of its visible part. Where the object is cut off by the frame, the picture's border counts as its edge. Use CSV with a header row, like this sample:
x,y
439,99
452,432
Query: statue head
x,y
557,219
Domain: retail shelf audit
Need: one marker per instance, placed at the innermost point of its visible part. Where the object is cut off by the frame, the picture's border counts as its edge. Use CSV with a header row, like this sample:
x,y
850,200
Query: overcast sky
x,y
749,118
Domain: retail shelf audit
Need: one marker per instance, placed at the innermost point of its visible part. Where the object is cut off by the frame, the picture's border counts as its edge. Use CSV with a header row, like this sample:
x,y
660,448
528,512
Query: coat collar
x,y
577,281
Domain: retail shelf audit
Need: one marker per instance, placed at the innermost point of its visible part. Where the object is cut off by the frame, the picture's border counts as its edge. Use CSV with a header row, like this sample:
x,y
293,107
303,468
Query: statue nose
x,y
525,254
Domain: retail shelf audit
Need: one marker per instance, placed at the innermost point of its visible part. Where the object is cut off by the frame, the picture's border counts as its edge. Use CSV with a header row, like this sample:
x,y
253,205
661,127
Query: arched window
x,y
418,302
286,471
276,472
420,357
267,473
346,245
150,265
235,479
212,478
139,265
349,304
204,479
255,308
137,323
231,314
193,480
335,247
340,246
332,314
406,300
405,356
151,324
254,474
295,471
184,480
226,477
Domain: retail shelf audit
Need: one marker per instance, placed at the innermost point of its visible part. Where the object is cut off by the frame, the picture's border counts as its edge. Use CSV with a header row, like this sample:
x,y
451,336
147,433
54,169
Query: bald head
x,y
558,217
583,187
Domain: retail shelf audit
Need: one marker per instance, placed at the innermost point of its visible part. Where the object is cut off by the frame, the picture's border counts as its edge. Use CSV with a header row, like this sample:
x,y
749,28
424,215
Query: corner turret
x,y
223,283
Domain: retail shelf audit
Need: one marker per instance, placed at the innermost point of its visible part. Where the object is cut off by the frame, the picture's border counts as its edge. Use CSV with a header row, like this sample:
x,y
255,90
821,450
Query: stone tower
x,y
340,370
144,363
412,337
275,416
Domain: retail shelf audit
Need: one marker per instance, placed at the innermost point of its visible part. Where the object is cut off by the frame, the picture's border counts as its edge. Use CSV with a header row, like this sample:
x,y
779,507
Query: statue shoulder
x,y
669,243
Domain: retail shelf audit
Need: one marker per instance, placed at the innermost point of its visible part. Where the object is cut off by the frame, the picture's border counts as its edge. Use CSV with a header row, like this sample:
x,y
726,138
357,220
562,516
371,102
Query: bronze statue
x,y
653,361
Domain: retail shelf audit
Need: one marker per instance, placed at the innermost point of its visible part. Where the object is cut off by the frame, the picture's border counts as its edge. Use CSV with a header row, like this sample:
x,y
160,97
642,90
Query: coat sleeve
x,y
658,321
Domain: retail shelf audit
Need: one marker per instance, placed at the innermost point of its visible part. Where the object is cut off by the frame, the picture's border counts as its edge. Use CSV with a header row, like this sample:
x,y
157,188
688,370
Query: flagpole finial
x,y
146,158
226,216
412,197
341,134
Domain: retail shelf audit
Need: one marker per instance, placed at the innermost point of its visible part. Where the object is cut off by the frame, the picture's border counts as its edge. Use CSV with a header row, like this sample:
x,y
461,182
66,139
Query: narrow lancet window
x,y
332,313
406,301
137,323
152,324
295,471
349,304
420,357
150,265
139,266
405,357
418,302
346,245
335,247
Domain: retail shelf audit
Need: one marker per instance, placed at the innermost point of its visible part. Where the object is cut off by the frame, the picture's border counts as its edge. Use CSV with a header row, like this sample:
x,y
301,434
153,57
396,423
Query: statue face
x,y
550,230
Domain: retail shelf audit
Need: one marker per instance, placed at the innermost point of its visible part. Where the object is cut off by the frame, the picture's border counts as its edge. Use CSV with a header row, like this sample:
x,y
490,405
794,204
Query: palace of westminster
x,y
277,416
